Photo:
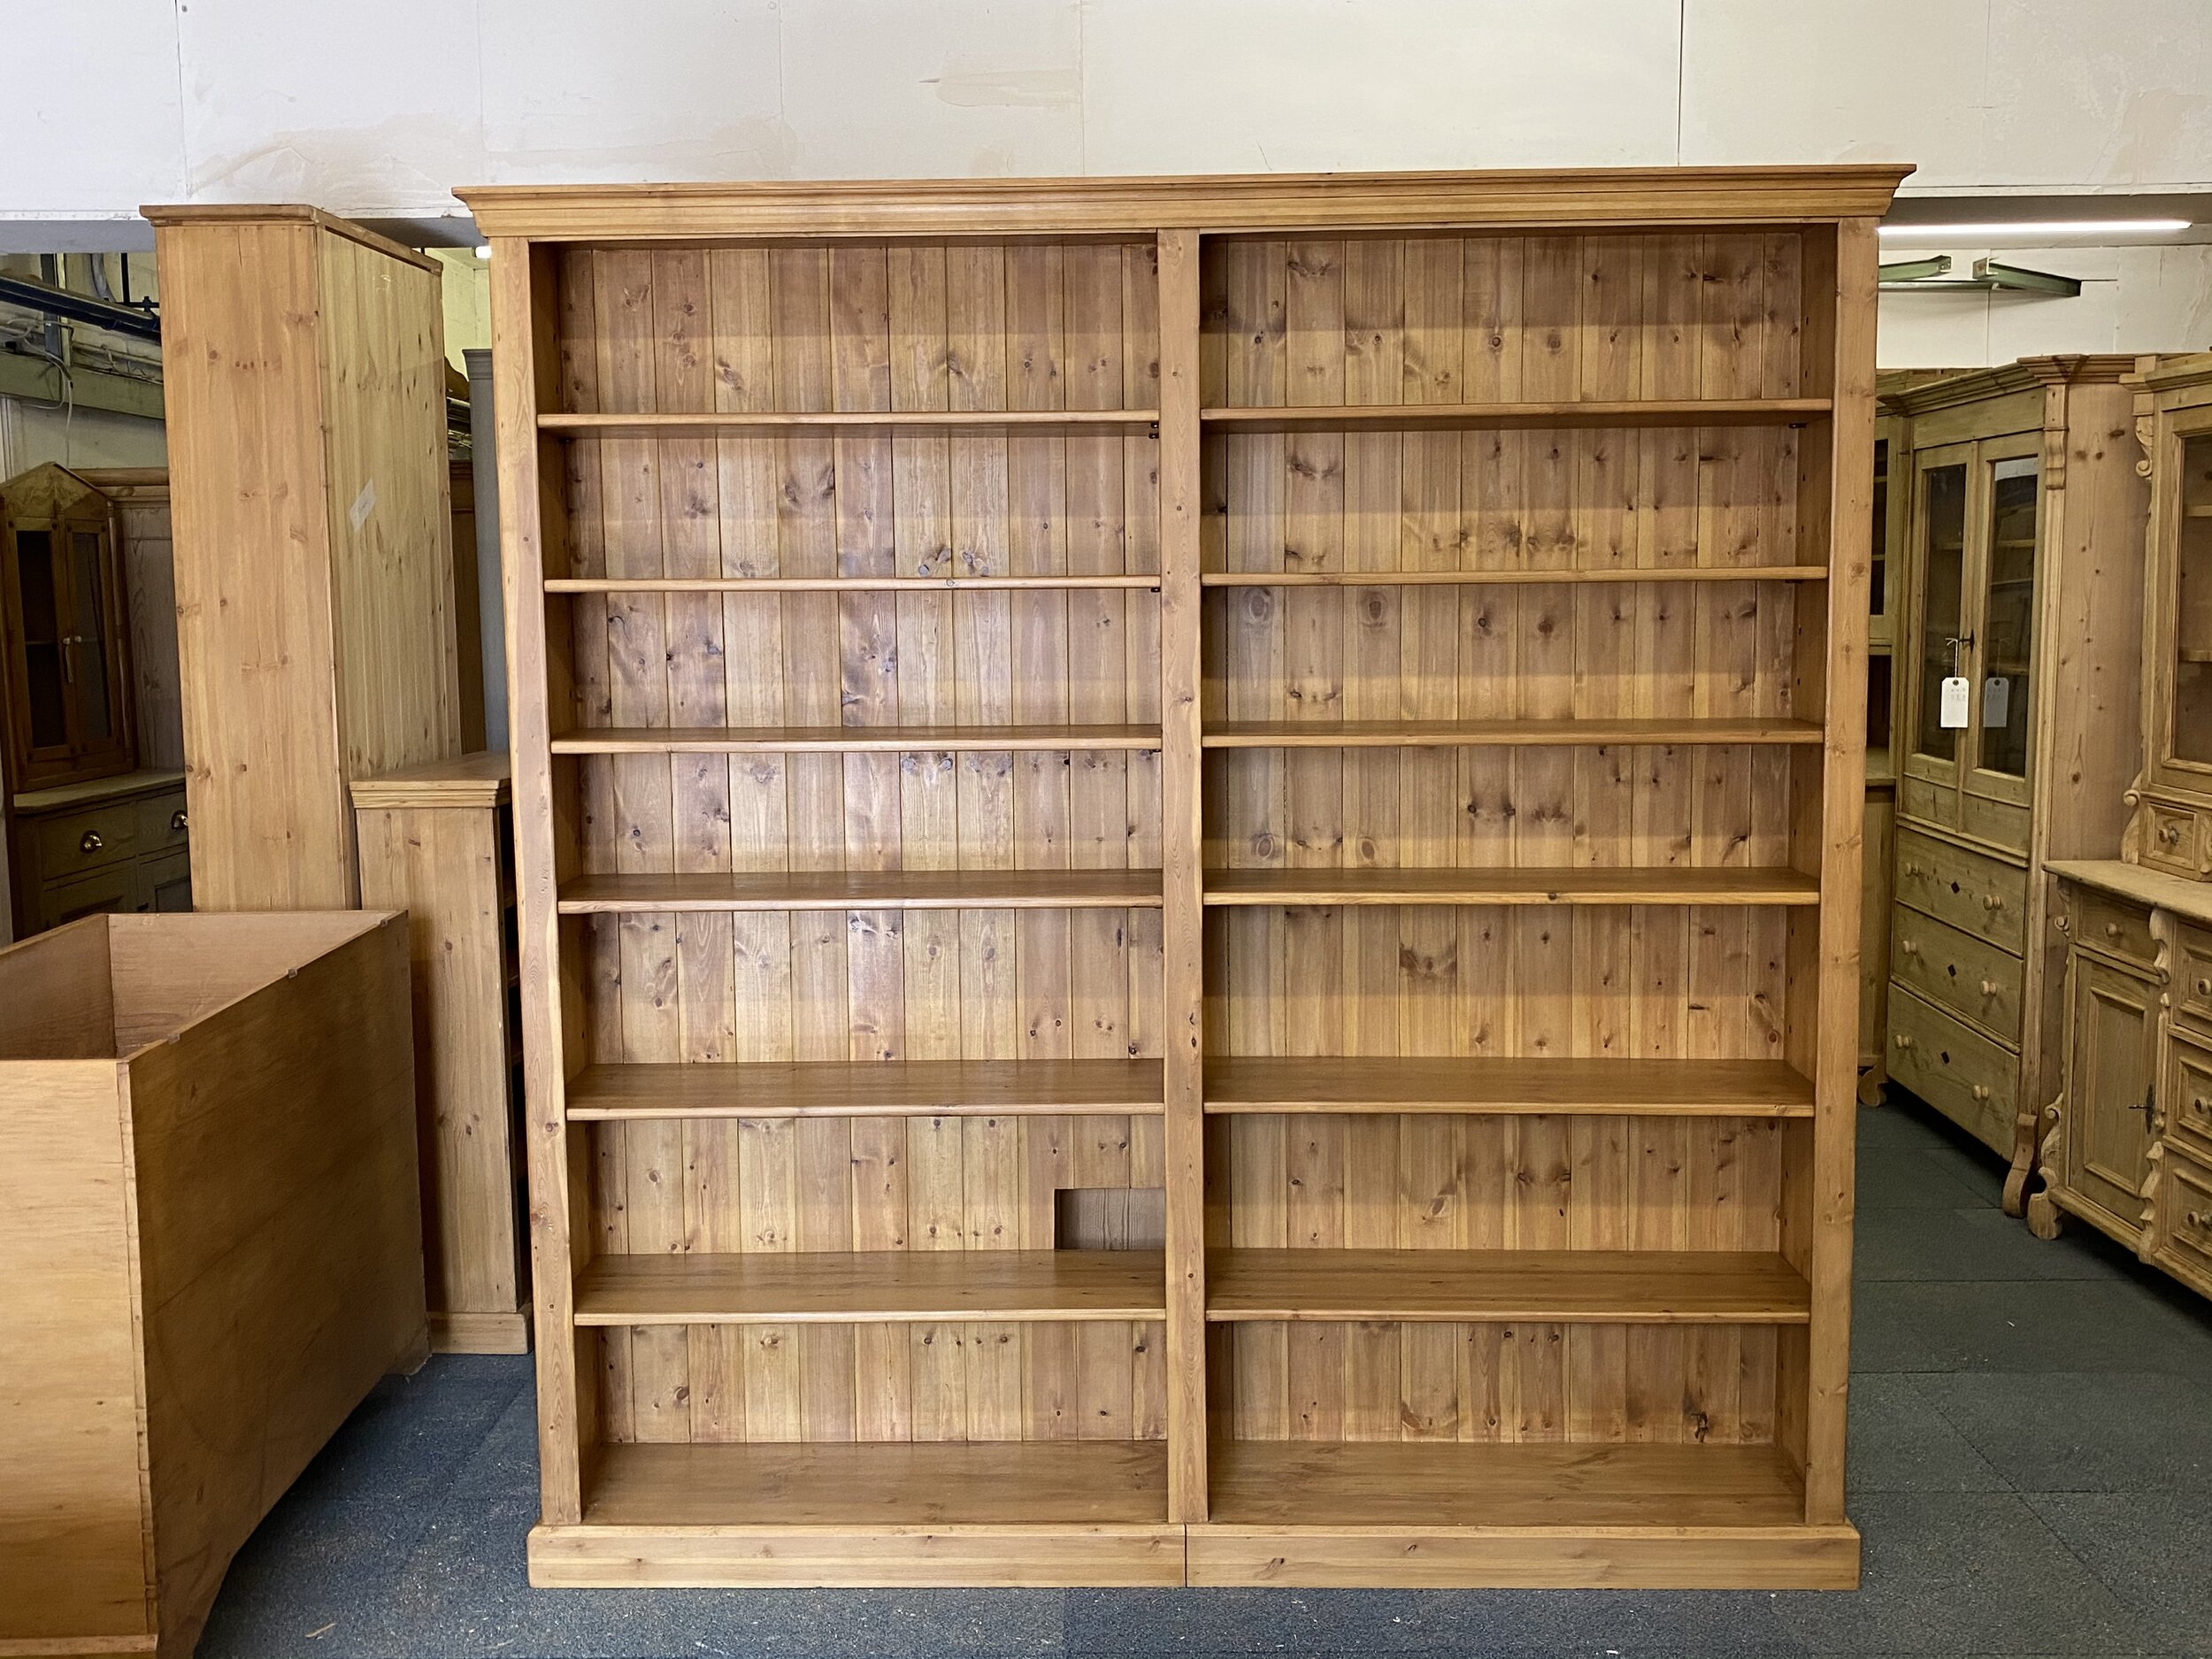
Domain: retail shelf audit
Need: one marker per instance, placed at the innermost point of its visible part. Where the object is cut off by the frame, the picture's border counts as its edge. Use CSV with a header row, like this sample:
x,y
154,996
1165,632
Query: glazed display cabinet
x,y
2026,523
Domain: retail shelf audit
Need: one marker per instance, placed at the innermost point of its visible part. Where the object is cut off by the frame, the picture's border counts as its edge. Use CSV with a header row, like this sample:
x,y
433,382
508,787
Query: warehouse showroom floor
x,y
2030,1466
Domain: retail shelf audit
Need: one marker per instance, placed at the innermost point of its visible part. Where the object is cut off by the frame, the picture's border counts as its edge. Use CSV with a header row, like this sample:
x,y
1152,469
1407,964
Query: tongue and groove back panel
x,y
1481,698
1034,327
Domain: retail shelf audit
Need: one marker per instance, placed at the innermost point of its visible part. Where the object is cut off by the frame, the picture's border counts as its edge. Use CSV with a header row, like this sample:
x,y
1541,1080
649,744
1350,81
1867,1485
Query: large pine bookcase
x,y
1189,867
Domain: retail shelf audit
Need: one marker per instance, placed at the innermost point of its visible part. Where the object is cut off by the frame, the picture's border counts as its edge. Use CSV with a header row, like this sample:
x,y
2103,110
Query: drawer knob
x,y
2201,1105
2204,988
1914,870
178,822
1909,946
2198,1219
1980,1091
2112,930
2171,834
1991,902
1990,987
91,843
1904,1040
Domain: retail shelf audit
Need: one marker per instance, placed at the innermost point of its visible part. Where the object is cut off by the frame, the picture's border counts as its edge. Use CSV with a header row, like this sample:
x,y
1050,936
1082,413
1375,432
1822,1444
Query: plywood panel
x,y
73,1508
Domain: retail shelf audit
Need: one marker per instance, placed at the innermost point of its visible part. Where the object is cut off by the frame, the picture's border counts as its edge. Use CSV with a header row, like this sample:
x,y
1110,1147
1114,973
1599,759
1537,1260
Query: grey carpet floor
x,y
2030,1466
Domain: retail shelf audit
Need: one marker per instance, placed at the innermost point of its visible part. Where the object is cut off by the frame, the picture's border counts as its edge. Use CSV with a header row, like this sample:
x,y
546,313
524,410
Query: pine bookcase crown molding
x,y
1188,854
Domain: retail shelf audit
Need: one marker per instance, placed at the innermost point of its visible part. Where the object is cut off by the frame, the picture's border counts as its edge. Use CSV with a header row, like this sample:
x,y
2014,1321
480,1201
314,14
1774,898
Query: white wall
x,y
32,434
2131,300
376,108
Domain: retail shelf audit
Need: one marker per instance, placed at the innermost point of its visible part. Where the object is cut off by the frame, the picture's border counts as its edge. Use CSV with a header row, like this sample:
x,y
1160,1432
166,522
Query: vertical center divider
x,y
1182,1014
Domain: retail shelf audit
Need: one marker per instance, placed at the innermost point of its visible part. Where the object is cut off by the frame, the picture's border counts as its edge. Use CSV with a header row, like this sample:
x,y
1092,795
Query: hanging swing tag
x,y
1996,700
1954,707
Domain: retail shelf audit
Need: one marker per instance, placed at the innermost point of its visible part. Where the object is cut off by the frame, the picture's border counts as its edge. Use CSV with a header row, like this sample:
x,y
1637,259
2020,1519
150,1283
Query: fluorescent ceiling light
x,y
2043,228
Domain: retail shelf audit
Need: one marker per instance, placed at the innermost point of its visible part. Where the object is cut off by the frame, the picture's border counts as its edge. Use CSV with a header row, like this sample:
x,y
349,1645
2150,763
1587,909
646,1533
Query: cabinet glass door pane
x,y
96,720
1942,598
1880,542
45,690
2193,629
2008,618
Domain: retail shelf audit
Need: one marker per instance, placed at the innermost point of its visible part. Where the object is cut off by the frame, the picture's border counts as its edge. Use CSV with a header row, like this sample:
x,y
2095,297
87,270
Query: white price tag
x,y
1954,706
1996,700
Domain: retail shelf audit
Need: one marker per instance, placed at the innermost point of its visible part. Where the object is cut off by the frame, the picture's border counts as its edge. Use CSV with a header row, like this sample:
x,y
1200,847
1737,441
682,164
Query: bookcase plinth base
x,y
1527,1558
764,1558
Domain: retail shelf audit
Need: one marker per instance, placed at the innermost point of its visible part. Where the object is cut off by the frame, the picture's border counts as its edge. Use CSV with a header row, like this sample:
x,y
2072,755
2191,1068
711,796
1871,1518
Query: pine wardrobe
x,y
1189,871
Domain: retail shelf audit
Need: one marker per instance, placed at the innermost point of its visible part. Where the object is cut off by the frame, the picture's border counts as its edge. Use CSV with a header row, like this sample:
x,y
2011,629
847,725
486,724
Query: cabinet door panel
x,y
1940,525
103,893
2108,1135
164,882
1999,735
2189,713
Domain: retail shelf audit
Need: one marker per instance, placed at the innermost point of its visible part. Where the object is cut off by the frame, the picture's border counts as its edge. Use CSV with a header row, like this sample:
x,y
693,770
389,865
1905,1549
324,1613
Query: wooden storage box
x,y
210,1248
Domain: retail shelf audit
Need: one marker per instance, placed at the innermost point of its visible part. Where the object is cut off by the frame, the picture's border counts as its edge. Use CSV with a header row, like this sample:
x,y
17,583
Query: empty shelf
x,y
1336,1485
1510,578
925,1287
1728,1088
1566,1286
1558,886
1096,422
836,584
898,740
1478,733
1693,412
865,1484
863,890
865,1088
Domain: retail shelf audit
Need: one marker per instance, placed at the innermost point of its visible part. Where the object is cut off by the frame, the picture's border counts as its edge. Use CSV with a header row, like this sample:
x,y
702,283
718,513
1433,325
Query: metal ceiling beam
x,y
140,322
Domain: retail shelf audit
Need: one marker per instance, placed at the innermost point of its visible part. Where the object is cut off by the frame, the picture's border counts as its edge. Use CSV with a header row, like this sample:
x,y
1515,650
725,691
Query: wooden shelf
x,y
869,1485
876,1088
1495,1286
911,1286
850,739
1511,578
1477,734
1551,886
1716,1088
1526,1483
1697,412
841,584
865,890
1092,422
